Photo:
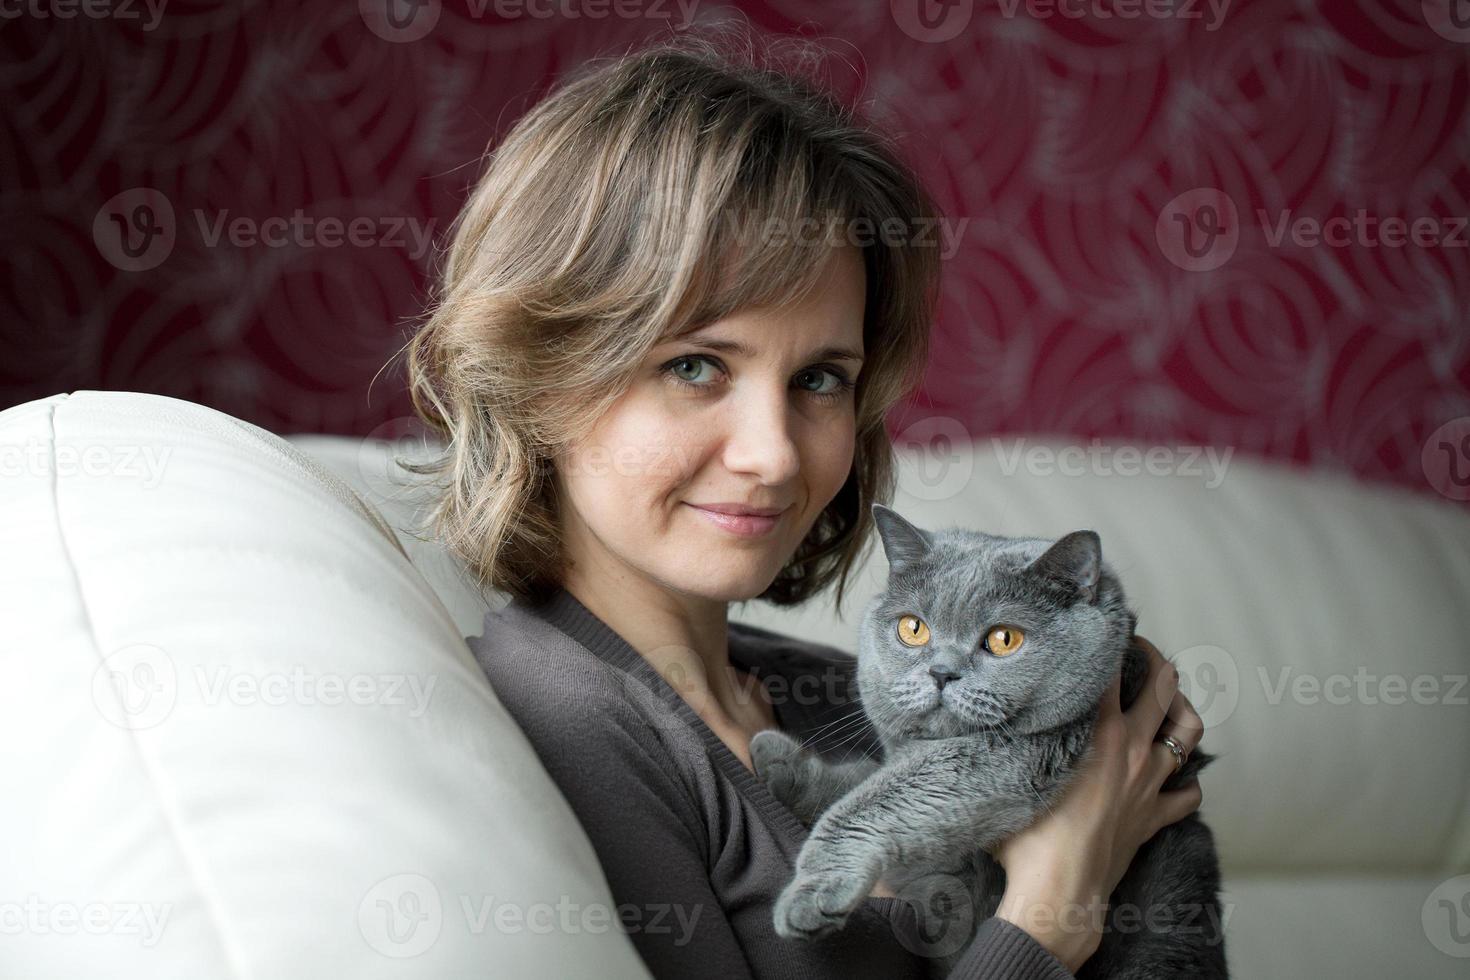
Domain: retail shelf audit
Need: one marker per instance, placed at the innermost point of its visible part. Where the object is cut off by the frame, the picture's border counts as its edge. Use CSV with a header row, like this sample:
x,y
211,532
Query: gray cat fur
x,y
959,776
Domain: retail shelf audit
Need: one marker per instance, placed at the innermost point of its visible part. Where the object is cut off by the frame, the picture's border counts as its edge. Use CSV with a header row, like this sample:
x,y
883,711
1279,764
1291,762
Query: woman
x,y
674,298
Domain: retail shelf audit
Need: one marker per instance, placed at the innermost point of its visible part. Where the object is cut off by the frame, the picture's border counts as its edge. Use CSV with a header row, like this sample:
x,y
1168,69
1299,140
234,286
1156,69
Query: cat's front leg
x,y
799,777
929,809
831,880
849,847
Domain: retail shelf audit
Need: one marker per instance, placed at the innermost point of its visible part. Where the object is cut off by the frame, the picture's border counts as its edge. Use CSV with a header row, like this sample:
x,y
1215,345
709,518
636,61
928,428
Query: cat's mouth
x,y
973,708
947,715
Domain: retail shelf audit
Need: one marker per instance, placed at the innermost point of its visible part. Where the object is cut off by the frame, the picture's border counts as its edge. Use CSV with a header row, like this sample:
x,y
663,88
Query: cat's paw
x,y
816,905
777,757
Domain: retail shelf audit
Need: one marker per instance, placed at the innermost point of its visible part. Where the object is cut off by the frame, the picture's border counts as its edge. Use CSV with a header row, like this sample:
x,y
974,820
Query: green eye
x,y
697,363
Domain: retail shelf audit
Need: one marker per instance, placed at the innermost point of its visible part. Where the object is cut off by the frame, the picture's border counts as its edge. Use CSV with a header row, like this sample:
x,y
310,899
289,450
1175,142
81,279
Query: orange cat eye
x,y
912,631
1003,640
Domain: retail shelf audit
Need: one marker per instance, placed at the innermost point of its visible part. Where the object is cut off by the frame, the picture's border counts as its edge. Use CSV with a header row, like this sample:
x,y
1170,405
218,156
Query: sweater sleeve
x,y
623,787
1002,950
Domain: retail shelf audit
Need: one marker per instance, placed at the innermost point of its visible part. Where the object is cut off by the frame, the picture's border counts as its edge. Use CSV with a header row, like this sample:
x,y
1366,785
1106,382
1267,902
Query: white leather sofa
x,y
242,736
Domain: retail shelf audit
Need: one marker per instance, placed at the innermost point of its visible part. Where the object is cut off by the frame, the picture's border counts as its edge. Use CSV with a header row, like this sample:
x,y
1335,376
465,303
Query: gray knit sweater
x,y
694,847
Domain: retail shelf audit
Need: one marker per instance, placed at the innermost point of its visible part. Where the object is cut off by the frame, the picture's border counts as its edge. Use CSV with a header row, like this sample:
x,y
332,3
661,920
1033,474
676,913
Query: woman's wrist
x,y
1062,913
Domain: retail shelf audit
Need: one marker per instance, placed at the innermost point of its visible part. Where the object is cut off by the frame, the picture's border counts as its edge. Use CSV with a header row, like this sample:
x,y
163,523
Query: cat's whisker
x,y
856,712
850,735
856,718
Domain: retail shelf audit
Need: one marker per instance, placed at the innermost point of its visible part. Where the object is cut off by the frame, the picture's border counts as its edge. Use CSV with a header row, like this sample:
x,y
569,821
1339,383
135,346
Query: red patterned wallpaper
x,y
1177,222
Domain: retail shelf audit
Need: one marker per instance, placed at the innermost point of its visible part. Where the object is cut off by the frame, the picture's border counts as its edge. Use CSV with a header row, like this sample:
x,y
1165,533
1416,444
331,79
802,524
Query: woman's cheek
x,y
837,457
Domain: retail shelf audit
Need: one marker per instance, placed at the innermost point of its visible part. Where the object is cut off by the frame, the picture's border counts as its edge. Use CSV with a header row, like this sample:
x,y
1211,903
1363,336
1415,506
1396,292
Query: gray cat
x,y
981,667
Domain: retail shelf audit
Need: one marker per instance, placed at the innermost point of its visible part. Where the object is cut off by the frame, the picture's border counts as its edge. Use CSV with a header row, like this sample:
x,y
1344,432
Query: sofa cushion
x,y
244,737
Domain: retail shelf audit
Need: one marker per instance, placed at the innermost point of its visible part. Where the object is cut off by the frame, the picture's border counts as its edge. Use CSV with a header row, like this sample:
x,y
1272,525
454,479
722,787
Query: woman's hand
x,y
1071,859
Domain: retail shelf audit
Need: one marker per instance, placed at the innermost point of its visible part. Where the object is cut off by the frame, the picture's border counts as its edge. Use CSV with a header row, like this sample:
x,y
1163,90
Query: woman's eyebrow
x,y
744,350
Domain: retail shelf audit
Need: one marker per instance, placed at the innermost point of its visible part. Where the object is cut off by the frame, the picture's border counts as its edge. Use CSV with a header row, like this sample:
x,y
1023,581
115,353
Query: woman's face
x,y
770,426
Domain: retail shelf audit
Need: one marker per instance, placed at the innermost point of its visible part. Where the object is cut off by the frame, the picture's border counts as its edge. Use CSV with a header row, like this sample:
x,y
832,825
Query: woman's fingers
x,y
1148,710
1183,722
1111,732
1176,804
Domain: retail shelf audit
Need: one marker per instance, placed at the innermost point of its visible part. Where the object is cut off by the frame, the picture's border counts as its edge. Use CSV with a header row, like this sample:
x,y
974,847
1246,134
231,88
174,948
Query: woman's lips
x,y
745,525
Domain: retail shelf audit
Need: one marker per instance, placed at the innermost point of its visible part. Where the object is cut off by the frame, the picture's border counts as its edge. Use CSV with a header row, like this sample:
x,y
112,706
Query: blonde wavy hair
x,y
616,214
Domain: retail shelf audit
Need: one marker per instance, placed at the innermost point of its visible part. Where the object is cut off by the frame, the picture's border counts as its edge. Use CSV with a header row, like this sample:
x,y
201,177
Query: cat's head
x,y
977,631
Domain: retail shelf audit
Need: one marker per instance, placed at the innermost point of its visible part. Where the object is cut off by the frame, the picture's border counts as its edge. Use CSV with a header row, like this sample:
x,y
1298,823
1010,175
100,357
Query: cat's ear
x,y
1074,558
903,543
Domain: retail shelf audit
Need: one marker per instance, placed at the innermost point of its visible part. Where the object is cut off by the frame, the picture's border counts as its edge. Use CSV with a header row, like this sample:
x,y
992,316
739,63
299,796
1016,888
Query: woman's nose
x,y
760,438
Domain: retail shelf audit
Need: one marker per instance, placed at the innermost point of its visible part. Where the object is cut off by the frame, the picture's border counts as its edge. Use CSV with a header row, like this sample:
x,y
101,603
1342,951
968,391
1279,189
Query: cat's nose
x,y
943,674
